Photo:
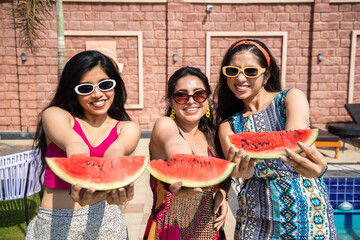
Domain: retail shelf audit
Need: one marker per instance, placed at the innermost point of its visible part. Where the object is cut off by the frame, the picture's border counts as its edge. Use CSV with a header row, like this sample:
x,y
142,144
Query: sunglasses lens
x,y
251,72
200,96
85,88
181,98
106,85
231,71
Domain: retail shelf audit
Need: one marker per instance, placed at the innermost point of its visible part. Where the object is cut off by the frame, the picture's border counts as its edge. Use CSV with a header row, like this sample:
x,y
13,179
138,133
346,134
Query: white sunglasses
x,y
88,88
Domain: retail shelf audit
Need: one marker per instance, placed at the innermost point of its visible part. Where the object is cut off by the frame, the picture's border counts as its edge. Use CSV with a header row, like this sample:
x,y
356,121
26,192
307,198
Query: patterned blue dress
x,y
277,202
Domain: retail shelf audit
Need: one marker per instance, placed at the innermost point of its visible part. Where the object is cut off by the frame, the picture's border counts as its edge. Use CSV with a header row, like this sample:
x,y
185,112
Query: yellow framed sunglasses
x,y
249,72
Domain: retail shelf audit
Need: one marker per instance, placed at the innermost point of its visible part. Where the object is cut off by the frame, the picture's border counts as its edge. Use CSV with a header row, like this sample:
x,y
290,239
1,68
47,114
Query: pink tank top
x,y
52,150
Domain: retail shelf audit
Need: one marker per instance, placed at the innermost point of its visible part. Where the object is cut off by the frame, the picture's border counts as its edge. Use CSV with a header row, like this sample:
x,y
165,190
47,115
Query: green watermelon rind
x,y
276,154
98,186
192,184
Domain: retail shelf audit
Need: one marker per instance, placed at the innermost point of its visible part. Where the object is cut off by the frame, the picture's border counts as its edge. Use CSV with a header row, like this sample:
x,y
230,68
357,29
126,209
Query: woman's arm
x,y
128,138
126,142
244,164
311,162
166,140
58,128
297,110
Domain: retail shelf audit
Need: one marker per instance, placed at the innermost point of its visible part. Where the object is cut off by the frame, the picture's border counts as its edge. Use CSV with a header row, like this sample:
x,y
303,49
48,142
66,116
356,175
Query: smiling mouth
x,y
99,103
191,110
243,87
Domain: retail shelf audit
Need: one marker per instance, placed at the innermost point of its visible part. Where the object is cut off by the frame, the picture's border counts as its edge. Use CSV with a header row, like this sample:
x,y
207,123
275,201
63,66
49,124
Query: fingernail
x,y
287,151
240,151
283,158
232,146
180,183
247,158
300,144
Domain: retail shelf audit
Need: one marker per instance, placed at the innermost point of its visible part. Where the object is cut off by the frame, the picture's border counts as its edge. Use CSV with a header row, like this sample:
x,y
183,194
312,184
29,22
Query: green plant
x,y
29,16
12,216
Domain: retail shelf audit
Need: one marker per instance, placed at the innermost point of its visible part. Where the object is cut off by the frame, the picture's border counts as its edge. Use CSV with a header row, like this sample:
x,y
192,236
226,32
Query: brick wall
x,y
180,28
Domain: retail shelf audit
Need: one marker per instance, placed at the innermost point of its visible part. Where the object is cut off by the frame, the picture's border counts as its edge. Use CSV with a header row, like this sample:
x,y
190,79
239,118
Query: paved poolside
x,y
138,210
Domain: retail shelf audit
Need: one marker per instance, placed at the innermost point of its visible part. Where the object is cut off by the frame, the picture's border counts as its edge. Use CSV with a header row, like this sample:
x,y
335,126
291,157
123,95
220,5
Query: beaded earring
x,y
172,115
167,107
207,111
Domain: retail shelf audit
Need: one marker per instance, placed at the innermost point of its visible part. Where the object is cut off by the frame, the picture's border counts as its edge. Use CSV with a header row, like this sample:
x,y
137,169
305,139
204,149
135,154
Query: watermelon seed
x,y
88,163
93,164
100,168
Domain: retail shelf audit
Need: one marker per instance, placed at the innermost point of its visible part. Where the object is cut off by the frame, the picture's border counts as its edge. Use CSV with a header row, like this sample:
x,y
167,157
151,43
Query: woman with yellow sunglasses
x,y
282,198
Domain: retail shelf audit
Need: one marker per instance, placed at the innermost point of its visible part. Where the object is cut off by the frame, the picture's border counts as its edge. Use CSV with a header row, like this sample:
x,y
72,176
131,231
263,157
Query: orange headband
x,y
266,54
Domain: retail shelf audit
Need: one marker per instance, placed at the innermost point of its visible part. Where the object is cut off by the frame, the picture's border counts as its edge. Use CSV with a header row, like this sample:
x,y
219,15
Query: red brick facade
x,y
181,27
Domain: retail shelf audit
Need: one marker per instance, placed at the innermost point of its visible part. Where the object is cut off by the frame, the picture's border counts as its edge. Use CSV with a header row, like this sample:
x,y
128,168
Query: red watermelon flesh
x,y
266,145
100,173
193,171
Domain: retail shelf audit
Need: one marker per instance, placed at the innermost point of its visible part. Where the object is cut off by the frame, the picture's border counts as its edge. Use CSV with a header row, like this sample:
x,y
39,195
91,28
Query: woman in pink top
x,y
86,115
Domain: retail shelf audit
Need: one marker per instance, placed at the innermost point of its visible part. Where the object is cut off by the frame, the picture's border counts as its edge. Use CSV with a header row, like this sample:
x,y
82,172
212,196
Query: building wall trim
x,y
355,34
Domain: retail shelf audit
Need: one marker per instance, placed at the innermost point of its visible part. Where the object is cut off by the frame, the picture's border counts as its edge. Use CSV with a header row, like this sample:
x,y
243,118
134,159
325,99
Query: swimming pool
x,y
347,224
345,189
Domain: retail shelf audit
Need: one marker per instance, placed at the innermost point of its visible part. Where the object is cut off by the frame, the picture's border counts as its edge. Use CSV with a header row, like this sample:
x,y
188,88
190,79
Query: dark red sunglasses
x,y
183,98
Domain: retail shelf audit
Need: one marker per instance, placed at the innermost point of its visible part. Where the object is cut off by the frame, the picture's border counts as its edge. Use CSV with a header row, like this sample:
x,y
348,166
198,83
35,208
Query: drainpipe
x,y
17,67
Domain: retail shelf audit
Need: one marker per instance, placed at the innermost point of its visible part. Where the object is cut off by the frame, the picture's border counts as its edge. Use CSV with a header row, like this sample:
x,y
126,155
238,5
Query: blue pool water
x,y
345,189
347,222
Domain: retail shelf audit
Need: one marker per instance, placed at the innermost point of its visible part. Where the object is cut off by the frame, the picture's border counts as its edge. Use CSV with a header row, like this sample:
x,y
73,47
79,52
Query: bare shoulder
x,y
164,129
56,115
129,126
164,123
295,94
51,111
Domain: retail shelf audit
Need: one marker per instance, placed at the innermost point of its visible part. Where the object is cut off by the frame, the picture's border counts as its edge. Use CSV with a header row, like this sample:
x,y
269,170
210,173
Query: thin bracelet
x,y
323,171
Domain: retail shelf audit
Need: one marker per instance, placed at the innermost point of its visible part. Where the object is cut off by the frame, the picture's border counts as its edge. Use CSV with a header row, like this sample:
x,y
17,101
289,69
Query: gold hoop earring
x,y
172,115
207,111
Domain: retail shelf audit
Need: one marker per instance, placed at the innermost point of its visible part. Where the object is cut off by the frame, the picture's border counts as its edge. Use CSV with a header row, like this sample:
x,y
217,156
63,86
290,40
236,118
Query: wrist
x,y
323,171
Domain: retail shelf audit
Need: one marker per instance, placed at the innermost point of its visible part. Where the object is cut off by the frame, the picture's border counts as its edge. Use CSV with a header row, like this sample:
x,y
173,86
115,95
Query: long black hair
x,y
66,98
206,125
227,103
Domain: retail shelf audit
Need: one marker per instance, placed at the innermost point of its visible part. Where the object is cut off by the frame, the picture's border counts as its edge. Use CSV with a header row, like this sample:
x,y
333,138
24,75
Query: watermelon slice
x,y
97,172
193,171
266,145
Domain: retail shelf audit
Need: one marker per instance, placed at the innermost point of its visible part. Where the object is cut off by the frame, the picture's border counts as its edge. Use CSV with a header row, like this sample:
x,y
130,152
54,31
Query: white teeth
x,y
241,87
191,109
98,102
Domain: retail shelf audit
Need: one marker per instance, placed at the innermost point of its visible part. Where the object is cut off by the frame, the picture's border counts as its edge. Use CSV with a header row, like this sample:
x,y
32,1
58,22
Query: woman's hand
x,y
121,196
87,196
183,192
310,163
244,165
220,208
90,196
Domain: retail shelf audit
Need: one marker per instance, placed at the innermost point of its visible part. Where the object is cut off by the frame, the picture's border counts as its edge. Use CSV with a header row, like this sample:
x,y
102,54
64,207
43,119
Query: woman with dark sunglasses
x,y
86,116
185,213
279,198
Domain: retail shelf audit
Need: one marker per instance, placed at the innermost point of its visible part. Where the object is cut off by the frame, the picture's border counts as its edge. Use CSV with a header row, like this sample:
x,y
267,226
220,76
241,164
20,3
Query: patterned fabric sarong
x,y
277,202
98,221
178,218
